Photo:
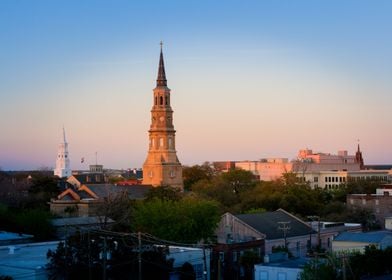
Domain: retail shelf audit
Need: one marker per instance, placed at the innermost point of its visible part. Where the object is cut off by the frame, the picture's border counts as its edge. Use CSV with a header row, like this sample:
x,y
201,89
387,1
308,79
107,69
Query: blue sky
x,y
249,79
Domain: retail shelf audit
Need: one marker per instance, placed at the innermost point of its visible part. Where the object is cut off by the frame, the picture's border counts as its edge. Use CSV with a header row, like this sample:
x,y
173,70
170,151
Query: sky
x,y
249,79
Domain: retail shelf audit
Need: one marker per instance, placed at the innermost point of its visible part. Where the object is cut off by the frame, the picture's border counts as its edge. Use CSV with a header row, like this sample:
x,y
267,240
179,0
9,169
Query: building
x,y
162,166
358,241
320,170
380,203
278,228
85,200
63,168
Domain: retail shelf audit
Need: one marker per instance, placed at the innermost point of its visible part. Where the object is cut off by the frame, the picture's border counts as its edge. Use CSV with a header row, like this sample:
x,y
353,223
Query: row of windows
x,y
61,156
335,179
160,143
172,174
162,100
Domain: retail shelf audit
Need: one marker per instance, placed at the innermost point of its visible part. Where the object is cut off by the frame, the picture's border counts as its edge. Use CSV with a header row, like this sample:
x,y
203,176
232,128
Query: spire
x,y
161,80
65,141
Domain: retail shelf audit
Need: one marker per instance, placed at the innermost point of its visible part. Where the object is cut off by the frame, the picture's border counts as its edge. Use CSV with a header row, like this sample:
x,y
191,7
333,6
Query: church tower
x,y
359,158
162,166
62,162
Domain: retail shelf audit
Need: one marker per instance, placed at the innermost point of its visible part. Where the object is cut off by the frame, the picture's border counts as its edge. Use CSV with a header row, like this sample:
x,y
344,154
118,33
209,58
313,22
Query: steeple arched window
x,y
161,100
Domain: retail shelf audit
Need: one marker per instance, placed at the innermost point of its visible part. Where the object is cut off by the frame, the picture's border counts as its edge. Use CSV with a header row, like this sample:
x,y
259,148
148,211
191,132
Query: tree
x,y
319,269
188,220
116,206
196,173
166,193
187,272
248,260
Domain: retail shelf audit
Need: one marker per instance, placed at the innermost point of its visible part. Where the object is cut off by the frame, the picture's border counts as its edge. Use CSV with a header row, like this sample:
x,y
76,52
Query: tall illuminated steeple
x,y
62,162
162,166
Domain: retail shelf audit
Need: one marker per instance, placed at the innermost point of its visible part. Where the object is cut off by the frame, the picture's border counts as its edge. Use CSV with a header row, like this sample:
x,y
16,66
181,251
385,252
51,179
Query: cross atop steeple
x,y
161,80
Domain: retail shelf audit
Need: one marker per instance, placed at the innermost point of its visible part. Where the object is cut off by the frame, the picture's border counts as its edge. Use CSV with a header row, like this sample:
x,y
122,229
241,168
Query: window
x,y
170,143
172,173
161,142
263,275
166,100
315,179
282,276
363,201
150,174
161,100
234,256
156,100
376,202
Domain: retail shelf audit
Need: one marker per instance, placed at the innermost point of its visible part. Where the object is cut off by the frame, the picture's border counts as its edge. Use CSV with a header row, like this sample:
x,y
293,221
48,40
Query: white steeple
x,y
62,162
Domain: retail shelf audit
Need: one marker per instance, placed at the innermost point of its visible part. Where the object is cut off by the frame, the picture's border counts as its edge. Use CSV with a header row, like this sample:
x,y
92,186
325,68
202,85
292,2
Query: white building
x,y
63,168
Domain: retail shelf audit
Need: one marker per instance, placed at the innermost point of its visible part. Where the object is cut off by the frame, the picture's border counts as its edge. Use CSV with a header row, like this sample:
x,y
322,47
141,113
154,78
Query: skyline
x,y
249,80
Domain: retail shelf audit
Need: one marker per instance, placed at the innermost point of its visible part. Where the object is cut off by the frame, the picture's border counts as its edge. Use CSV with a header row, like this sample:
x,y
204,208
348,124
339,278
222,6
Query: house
x,y
327,231
260,233
357,241
85,200
277,228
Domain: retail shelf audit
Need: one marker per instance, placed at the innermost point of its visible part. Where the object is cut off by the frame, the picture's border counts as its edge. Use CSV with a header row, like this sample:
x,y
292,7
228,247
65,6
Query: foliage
x,y
196,173
255,211
319,269
188,220
116,206
248,260
166,193
227,188
372,262
5,277
187,272
35,222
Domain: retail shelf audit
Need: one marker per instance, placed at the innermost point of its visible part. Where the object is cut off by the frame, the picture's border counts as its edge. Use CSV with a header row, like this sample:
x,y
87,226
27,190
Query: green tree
x,y
36,222
188,220
166,193
196,173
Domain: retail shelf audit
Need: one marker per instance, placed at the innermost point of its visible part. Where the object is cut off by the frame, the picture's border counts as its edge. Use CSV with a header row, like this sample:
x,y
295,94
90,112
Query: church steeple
x,y
162,167
63,168
359,158
161,80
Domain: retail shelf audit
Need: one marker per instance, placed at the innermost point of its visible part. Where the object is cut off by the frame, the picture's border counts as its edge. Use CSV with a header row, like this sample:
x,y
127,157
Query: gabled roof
x,y
364,237
67,194
268,223
90,178
101,191
134,191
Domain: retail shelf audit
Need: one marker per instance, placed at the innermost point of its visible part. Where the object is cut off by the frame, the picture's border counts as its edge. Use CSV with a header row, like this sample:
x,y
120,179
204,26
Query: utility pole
x,y
139,257
205,263
89,256
104,255
285,227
